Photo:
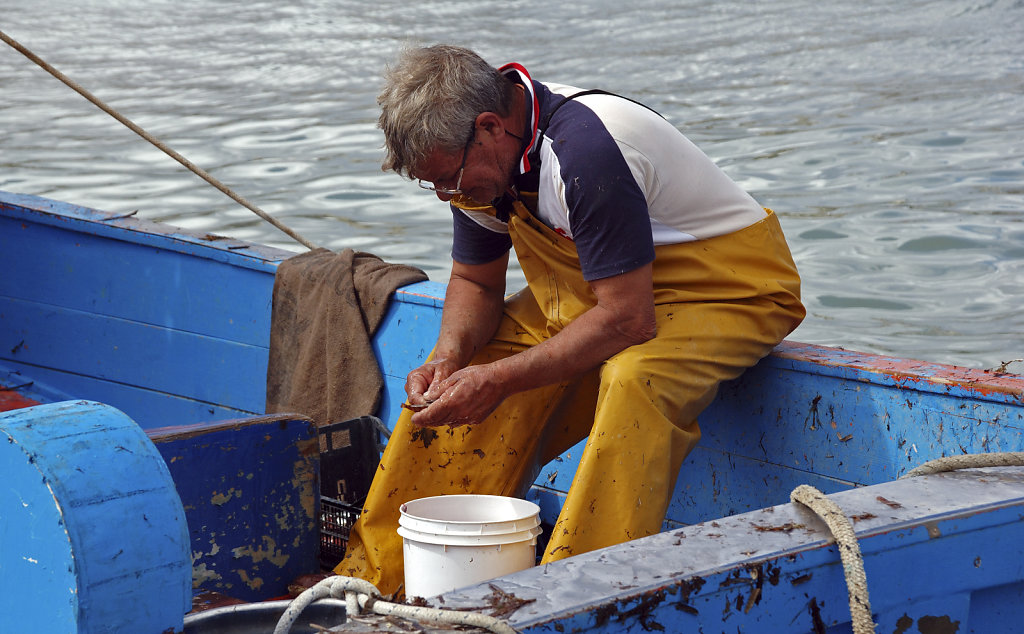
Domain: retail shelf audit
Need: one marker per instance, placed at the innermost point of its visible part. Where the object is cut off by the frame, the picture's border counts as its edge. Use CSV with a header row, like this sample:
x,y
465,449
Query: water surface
x,y
889,137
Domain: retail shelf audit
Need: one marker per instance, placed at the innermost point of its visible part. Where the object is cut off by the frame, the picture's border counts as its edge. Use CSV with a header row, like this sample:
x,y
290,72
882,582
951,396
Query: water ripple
x,y
888,137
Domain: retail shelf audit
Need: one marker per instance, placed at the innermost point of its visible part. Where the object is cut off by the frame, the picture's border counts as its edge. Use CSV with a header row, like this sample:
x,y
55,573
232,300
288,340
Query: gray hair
x,y
430,100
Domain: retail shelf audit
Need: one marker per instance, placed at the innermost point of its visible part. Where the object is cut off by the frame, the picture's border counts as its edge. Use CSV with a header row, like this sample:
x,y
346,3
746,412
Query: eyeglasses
x,y
462,168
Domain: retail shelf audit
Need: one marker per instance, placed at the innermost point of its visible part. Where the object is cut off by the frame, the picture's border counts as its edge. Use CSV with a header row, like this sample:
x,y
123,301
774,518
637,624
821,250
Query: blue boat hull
x,y
172,328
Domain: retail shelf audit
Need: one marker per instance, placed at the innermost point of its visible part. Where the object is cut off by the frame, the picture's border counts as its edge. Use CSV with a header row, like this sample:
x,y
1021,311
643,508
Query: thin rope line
x,y
198,171
968,461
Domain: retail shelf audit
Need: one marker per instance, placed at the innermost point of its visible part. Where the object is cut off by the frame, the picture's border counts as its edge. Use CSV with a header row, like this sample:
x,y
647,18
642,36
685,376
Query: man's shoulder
x,y
599,117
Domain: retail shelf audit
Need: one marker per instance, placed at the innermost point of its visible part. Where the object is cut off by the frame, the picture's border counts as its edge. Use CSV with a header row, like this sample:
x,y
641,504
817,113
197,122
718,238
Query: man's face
x,y
481,171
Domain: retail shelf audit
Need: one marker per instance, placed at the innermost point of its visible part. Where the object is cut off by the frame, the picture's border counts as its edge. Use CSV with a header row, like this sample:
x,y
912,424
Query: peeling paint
x,y
304,477
270,553
909,373
281,518
240,490
255,583
201,574
220,499
937,625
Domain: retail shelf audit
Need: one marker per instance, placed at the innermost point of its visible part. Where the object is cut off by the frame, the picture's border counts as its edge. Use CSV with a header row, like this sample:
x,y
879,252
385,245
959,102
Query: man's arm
x,y
622,317
472,311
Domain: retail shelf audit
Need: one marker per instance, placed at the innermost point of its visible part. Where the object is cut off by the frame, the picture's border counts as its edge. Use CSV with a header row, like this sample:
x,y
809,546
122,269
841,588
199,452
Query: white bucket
x,y
451,541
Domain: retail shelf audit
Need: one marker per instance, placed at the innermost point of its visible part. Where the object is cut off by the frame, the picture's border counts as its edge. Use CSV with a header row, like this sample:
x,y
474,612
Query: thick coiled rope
x,y
849,553
360,594
846,540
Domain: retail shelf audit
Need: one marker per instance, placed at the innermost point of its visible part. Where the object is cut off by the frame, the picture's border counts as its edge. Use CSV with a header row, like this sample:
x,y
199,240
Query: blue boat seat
x,y
250,489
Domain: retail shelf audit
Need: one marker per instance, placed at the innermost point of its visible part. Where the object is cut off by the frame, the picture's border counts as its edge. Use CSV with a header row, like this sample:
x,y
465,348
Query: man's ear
x,y
490,123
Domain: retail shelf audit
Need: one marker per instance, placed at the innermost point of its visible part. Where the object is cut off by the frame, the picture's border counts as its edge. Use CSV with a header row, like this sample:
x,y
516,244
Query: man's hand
x,y
420,381
623,316
466,397
441,387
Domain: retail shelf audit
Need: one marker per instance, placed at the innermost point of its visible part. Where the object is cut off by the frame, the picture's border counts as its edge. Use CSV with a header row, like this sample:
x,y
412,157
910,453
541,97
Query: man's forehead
x,y
437,165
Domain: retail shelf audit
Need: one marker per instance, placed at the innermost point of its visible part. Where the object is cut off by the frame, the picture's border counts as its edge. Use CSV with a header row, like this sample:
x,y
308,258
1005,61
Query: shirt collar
x,y
517,73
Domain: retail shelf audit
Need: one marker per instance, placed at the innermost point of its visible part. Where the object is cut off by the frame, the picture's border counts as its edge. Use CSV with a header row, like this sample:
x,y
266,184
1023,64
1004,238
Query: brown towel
x,y
326,309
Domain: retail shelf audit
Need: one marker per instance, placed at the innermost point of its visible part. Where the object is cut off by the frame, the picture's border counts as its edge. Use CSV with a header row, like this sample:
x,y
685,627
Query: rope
x,y
363,594
195,169
952,463
846,540
849,553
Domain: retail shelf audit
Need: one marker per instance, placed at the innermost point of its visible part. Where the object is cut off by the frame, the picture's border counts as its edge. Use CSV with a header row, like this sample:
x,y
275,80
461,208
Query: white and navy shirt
x,y
612,176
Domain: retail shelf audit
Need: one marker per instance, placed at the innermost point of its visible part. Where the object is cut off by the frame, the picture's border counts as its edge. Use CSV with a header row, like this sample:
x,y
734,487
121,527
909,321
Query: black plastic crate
x,y
349,455
336,520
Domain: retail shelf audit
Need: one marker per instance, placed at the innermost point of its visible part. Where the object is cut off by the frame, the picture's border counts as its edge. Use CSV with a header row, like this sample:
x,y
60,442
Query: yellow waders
x,y
722,304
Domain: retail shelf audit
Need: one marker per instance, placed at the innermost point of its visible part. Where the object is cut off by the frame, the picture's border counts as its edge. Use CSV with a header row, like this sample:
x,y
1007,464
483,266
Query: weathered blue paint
x,y
807,414
250,491
835,422
404,339
30,388
168,326
832,418
861,419
44,211
92,533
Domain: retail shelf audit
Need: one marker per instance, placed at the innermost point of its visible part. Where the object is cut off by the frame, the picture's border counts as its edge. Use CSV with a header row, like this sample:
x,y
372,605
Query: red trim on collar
x,y
524,76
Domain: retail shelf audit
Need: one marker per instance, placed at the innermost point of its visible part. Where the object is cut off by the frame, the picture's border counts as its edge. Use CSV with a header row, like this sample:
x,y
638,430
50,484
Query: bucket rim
x,y
468,527
527,508
462,539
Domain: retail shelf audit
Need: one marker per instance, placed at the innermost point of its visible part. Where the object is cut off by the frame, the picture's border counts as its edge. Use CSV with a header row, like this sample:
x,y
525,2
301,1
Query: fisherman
x,y
652,277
